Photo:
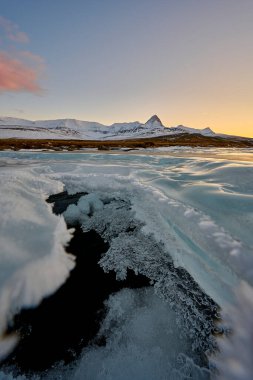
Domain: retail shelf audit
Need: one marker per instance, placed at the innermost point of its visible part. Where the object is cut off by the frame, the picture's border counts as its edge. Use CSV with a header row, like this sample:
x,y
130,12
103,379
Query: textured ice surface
x,y
235,359
194,214
86,205
143,341
33,260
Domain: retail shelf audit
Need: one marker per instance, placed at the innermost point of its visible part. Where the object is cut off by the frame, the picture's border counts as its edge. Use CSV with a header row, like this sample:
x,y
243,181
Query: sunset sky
x,y
188,61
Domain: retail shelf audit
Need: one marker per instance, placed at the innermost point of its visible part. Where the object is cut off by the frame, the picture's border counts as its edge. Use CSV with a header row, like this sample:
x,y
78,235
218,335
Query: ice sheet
x,y
199,210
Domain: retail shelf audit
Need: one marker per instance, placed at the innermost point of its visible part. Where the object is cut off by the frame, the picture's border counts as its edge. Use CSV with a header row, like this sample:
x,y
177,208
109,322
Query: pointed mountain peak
x,y
208,131
154,120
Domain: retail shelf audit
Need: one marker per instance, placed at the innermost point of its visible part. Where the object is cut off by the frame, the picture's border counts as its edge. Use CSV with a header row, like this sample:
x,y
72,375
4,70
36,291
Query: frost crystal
x,y
131,249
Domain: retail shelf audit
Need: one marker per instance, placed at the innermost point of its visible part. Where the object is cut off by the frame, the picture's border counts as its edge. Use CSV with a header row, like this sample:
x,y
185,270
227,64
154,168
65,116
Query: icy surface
x,y
235,359
184,222
130,248
143,342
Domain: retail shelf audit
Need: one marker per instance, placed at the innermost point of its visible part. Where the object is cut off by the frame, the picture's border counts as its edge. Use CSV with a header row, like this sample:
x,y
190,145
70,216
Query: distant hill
x,y
87,130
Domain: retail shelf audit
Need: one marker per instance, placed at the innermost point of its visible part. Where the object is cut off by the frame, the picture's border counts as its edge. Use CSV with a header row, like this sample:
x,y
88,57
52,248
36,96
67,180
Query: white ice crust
x,y
33,259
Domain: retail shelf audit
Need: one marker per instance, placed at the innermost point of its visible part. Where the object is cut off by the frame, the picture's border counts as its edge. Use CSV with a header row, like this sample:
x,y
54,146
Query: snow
x,y
33,259
84,205
12,121
87,204
94,202
77,129
72,214
183,129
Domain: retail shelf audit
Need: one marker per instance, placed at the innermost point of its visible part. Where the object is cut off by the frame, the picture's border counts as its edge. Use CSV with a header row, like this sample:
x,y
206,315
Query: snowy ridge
x,y
87,130
183,129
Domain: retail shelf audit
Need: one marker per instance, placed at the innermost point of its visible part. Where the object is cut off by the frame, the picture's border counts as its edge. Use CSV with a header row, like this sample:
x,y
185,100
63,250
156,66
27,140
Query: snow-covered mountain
x,y
87,130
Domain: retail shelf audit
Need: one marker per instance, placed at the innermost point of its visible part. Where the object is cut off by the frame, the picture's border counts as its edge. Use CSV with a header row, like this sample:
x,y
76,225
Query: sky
x,y
188,61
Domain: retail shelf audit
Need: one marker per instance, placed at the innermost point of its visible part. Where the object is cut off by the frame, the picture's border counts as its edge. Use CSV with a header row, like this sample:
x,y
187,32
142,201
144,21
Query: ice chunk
x,y
84,205
94,201
72,214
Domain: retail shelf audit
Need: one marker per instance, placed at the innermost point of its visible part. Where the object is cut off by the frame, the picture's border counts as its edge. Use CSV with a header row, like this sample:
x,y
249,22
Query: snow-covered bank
x,y
32,239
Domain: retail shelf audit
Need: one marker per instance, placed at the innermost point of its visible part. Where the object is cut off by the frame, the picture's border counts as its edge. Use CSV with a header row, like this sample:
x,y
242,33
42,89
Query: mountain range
x,y
73,129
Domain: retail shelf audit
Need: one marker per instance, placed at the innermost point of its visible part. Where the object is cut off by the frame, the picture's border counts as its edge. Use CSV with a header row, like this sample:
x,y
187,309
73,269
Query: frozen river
x,y
183,218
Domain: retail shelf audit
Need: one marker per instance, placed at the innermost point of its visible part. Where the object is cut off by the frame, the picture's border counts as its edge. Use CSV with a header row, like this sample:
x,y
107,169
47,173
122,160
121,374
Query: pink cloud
x,y
12,31
19,70
19,75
